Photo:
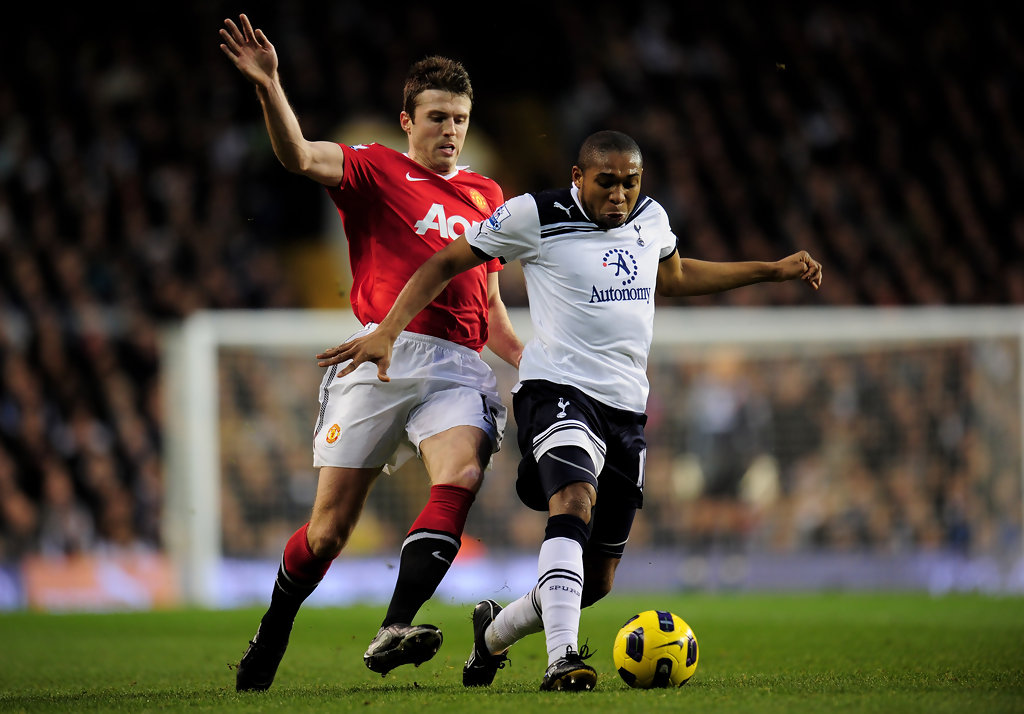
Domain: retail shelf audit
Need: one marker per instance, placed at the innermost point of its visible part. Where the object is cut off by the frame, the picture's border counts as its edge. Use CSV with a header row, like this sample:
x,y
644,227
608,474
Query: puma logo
x,y
437,554
567,209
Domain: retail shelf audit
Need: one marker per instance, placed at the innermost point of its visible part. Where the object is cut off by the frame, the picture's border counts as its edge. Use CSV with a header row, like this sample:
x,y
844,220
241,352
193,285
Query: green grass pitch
x,y
758,653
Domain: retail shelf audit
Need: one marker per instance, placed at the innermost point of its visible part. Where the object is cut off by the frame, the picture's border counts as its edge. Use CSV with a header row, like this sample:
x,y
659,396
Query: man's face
x,y
438,131
609,187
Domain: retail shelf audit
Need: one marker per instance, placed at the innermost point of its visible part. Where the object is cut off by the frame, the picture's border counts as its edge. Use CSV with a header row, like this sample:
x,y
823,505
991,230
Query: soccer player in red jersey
x,y
441,402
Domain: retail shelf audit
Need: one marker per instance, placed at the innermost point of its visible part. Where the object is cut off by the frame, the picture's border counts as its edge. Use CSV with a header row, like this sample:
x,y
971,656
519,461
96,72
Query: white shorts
x,y
435,385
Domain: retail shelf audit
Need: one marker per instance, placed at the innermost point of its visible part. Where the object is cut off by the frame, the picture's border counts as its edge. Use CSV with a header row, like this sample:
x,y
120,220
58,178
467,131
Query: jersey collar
x,y
447,176
574,191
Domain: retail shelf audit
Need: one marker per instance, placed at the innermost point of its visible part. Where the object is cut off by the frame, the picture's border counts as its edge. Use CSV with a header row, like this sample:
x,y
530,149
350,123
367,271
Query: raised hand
x,y
249,50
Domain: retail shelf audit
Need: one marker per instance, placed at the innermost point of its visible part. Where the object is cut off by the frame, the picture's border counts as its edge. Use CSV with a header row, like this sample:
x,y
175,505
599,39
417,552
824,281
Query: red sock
x,y
446,510
299,561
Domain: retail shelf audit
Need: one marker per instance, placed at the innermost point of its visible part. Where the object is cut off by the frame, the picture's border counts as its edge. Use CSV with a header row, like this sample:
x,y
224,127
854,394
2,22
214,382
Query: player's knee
x,y
326,542
469,476
576,499
576,506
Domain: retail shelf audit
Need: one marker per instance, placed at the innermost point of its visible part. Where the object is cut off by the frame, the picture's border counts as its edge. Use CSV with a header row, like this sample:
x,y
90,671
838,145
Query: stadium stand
x,y
136,189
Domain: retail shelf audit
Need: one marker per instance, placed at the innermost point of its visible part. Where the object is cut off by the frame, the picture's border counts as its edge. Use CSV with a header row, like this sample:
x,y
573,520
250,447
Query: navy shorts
x,y
549,415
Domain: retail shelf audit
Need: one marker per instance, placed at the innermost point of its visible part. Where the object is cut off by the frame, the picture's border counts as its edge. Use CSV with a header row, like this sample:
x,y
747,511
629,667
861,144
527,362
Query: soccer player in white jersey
x,y
443,405
593,255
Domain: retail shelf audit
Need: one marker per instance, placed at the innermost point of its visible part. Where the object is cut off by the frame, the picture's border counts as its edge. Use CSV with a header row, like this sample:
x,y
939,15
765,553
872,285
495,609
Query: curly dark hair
x,y
435,72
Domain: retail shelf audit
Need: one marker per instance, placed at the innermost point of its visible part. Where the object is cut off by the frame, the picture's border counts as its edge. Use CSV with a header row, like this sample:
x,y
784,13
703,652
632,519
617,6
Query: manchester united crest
x,y
333,433
479,201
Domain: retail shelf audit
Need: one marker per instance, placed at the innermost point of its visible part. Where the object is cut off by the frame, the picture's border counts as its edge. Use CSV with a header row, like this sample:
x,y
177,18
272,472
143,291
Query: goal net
x,y
786,447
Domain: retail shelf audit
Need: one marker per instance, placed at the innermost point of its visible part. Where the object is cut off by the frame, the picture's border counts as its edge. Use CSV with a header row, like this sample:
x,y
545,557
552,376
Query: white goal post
x,y
193,391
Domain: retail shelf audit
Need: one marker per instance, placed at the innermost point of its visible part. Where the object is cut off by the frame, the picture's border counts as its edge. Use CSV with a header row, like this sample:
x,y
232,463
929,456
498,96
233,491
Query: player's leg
x,y
553,604
560,582
496,629
566,443
455,460
598,576
341,494
562,454
610,526
359,427
455,428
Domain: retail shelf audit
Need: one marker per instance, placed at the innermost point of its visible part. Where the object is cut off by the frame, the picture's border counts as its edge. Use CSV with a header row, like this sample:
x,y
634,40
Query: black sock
x,y
426,558
285,601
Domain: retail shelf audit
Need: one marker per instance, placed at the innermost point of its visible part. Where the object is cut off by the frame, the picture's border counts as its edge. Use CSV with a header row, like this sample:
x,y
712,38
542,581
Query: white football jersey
x,y
591,290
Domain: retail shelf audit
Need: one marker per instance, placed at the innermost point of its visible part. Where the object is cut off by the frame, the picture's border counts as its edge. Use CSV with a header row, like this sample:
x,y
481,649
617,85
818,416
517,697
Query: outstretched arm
x,y
255,57
424,285
678,277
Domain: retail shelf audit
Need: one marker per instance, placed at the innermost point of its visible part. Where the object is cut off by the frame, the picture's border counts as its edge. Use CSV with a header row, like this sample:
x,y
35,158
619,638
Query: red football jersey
x,y
396,214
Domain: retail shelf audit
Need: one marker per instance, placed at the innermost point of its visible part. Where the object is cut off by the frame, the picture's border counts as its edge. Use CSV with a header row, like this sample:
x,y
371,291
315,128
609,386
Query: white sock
x,y
519,619
560,589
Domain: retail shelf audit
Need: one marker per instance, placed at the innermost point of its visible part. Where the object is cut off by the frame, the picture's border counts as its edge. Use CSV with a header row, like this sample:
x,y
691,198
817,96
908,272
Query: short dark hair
x,y
604,142
435,72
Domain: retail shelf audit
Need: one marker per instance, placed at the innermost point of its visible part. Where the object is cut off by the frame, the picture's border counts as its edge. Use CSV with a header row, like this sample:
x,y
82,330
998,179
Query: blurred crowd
x,y
137,187
867,446
886,448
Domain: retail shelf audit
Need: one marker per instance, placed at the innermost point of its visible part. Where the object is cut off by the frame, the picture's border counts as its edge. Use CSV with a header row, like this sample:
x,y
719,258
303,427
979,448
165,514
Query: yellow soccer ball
x,y
655,649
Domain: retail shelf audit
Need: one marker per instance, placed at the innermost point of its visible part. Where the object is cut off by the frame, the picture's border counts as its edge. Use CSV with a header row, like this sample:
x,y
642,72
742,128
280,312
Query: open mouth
x,y
613,220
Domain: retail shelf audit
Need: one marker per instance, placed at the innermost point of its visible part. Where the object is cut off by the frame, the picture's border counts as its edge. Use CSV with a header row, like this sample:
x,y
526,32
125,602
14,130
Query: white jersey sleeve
x,y
669,242
511,233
